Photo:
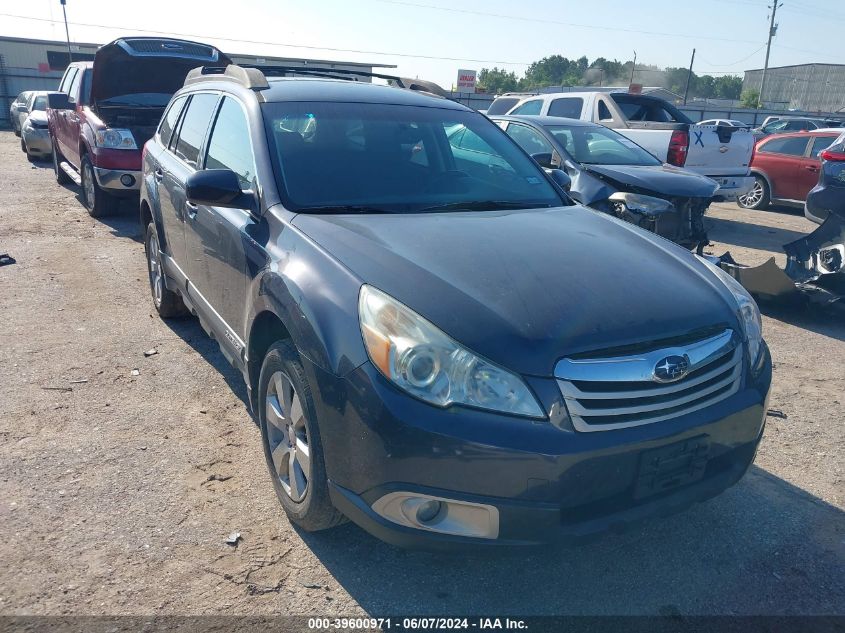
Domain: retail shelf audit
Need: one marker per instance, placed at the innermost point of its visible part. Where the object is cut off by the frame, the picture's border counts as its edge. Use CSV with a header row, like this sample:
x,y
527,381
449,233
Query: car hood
x,y
661,179
525,288
146,65
37,116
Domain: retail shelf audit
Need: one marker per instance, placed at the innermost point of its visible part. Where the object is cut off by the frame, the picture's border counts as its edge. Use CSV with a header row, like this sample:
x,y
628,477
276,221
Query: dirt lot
x,y
117,490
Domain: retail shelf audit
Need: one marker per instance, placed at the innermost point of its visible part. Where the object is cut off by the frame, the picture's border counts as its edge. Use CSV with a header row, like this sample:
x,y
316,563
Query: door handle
x,y
811,168
192,209
158,174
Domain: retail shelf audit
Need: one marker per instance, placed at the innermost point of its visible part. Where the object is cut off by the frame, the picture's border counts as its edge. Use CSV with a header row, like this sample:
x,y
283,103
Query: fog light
x,y
127,180
428,510
437,514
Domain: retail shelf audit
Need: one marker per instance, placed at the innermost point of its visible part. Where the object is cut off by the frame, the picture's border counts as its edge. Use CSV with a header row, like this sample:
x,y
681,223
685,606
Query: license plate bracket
x,y
672,466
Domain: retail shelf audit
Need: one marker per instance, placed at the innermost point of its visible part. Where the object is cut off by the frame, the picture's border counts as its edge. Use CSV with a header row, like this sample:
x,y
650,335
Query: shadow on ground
x,y
739,233
826,320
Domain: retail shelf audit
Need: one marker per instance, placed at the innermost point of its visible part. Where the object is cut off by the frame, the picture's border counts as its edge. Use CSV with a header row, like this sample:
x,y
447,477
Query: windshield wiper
x,y
483,205
343,208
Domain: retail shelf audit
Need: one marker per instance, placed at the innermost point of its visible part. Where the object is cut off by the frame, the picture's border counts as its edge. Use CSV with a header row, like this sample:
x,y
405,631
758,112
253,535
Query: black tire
x,y
61,177
759,198
314,510
23,146
167,303
16,130
99,203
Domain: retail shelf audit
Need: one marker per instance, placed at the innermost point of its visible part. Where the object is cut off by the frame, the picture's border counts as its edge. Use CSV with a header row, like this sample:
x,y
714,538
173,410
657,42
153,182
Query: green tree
x,y
549,71
497,80
749,99
728,87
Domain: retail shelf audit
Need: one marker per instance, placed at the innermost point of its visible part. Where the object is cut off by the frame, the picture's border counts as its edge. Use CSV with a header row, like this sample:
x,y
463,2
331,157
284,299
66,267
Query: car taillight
x,y
831,155
678,146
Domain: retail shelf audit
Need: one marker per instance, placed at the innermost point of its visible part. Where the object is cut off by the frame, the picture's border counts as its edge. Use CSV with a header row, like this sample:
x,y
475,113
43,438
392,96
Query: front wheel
x,y
98,202
758,197
291,438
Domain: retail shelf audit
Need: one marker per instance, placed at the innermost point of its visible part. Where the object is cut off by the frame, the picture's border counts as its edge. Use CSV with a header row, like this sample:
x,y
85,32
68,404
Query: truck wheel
x,y
61,177
758,197
167,303
291,440
98,202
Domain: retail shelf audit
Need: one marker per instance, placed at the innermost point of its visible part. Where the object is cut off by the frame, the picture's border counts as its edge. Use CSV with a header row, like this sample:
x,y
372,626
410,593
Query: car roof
x,y
342,90
544,120
803,133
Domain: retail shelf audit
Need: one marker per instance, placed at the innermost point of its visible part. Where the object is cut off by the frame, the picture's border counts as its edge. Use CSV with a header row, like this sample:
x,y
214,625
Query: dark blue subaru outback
x,y
443,350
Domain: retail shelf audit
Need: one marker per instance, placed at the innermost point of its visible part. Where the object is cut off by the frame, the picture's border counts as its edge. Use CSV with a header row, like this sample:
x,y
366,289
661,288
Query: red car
x,y
785,167
107,109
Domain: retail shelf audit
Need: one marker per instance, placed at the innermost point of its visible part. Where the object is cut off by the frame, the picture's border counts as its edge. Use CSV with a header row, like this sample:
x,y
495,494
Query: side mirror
x,y
215,188
59,101
561,179
543,159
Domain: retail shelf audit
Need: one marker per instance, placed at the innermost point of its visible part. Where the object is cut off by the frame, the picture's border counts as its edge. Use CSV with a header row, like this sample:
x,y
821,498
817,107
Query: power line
x,y
739,61
238,41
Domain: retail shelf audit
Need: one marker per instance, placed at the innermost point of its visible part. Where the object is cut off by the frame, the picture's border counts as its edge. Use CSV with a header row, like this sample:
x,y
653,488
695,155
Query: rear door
x,y
60,117
183,162
810,164
780,159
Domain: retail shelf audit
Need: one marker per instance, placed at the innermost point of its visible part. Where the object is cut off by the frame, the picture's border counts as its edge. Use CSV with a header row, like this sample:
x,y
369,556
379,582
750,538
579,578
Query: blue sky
x,y
729,35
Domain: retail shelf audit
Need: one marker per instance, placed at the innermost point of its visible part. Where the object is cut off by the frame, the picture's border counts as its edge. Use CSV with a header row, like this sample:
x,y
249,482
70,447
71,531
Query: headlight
x,y
638,203
423,361
749,313
115,138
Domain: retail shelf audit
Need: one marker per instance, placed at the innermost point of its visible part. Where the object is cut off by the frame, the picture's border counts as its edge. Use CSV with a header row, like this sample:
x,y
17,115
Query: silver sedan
x,y
35,137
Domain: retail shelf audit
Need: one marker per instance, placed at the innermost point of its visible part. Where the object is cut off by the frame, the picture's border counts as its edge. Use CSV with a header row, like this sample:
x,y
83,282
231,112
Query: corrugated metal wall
x,y
810,87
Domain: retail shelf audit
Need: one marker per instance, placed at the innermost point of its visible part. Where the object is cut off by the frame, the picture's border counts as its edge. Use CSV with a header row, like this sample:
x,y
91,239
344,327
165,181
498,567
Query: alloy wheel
x,y
754,196
153,258
287,436
88,184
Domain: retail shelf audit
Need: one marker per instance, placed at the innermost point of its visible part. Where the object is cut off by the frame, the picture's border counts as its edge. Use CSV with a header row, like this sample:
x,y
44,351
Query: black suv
x,y
438,349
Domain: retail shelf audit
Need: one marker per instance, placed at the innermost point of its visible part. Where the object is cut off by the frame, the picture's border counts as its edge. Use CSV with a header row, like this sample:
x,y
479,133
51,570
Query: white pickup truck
x,y
722,153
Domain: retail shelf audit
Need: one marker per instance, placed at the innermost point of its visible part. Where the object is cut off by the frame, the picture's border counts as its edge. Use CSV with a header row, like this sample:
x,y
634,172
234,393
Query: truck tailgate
x,y
719,150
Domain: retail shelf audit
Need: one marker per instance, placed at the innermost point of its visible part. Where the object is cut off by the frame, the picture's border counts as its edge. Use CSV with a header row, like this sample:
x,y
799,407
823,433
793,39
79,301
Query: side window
x,y
229,146
472,141
70,73
604,111
569,107
821,143
194,126
529,140
797,126
530,107
73,91
791,146
168,122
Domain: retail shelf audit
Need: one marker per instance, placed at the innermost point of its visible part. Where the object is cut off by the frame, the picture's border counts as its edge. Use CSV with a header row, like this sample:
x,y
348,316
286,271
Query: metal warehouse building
x,y
807,87
27,64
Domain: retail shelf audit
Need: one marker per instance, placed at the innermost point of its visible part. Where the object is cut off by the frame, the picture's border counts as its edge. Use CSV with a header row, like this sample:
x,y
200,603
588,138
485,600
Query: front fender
x,y
313,295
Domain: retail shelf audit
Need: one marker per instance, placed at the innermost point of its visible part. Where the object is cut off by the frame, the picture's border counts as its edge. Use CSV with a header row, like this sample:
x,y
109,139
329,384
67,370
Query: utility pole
x,y
689,76
67,33
773,29
633,66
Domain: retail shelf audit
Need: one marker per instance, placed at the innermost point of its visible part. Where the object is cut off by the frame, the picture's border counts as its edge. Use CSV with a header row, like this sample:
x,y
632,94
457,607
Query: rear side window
x,y
194,126
569,107
502,105
604,112
791,145
797,126
529,140
64,85
168,123
73,91
229,146
530,107
821,143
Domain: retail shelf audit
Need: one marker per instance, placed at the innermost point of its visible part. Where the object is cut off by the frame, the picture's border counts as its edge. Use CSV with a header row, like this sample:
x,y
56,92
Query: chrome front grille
x,y
618,392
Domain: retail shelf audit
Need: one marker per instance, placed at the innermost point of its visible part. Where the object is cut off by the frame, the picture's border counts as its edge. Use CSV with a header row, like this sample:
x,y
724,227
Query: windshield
x,y
369,158
40,103
596,145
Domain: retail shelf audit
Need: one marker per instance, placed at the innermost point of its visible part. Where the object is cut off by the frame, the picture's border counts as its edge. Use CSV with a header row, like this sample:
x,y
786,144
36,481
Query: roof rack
x,y
254,76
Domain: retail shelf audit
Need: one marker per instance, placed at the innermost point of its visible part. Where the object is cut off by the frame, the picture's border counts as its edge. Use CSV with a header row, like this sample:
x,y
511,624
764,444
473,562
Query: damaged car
x,y
612,174
814,268
107,109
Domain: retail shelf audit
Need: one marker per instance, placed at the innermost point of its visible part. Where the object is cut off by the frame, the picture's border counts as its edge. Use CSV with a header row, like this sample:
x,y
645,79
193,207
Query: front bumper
x,y
37,140
117,180
731,187
547,481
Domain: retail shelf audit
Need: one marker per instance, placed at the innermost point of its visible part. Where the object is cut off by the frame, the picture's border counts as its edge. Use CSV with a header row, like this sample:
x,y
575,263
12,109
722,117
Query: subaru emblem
x,y
671,368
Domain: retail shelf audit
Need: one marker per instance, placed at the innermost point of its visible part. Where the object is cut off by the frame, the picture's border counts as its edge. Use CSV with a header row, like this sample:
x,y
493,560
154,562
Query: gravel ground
x,y
119,487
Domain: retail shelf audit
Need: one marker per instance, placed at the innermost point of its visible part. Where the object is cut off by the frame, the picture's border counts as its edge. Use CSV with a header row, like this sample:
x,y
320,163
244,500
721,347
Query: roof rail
x,y
254,76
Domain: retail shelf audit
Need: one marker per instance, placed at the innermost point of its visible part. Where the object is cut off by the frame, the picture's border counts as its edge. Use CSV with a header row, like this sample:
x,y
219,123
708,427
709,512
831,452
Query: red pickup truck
x,y
105,110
